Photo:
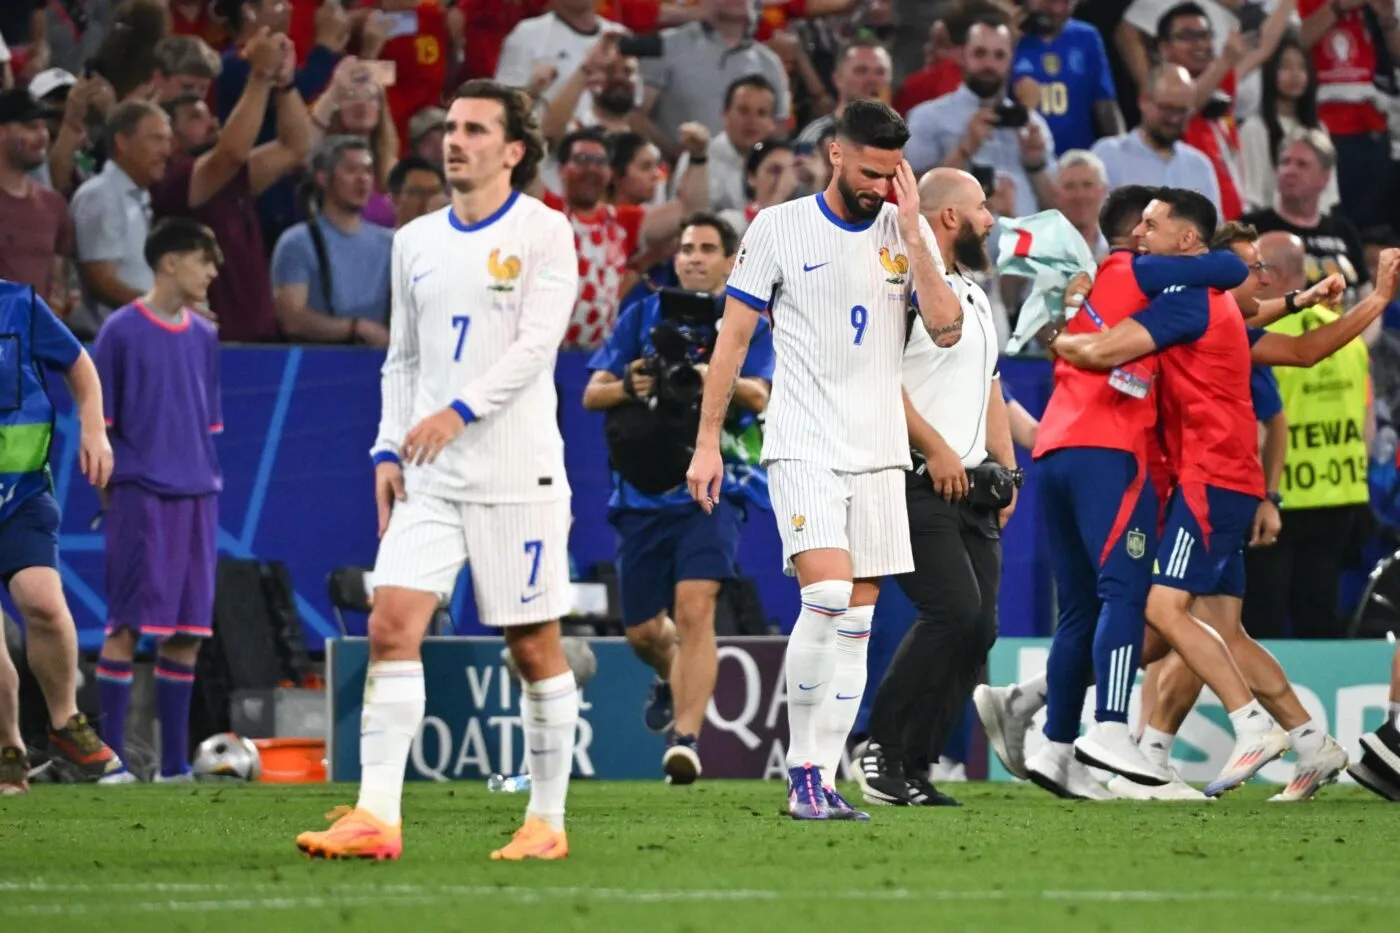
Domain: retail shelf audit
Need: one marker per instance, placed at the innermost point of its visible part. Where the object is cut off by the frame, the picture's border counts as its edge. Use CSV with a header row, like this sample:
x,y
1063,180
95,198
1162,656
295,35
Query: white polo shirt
x,y
949,386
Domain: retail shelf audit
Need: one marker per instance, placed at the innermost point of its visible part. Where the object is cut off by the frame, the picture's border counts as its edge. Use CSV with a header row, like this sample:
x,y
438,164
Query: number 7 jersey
x,y
478,314
838,294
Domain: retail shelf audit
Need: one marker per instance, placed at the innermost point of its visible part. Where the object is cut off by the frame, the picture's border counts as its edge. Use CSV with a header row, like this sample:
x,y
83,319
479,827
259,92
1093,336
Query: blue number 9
x,y
859,317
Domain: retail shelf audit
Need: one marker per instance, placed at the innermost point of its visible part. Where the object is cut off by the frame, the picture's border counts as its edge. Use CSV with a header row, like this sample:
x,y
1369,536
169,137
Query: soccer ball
x,y
227,757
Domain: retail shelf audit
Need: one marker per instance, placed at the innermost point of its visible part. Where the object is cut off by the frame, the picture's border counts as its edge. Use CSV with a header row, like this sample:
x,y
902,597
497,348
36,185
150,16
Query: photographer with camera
x,y
671,556
960,494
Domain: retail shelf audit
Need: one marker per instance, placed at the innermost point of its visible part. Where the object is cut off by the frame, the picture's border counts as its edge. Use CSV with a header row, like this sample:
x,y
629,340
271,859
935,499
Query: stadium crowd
x,y
302,133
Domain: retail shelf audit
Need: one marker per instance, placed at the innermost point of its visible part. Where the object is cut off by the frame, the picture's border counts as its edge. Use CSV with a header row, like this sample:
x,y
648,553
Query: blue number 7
x,y
461,322
859,317
534,549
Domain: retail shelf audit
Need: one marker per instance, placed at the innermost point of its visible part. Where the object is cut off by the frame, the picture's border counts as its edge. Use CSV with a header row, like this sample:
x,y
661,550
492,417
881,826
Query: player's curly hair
x,y
520,122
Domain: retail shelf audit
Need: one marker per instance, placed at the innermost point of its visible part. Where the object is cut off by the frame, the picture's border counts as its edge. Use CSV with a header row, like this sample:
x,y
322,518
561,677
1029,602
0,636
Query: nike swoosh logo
x,y
807,268
854,696
421,275
529,599
805,687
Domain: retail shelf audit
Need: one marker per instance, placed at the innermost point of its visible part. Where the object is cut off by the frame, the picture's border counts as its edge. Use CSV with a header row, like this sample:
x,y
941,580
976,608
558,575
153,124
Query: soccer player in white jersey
x,y
469,464
838,272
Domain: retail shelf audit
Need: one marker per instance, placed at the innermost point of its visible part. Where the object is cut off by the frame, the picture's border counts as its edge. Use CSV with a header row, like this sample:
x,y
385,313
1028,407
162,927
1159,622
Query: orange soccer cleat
x,y
353,834
536,839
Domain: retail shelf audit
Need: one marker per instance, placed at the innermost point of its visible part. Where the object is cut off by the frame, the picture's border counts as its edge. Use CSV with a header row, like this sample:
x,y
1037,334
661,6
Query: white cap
x,y
51,79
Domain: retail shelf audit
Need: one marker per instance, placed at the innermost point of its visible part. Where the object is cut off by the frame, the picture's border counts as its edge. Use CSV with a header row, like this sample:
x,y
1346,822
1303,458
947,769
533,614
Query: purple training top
x,y
160,396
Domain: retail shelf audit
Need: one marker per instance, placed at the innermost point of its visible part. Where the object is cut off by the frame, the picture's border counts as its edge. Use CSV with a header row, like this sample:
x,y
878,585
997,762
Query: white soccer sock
x,y
810,663
550,717
1028,698
842,705
393,708
1395,713
1308,738
1251,718
1156,745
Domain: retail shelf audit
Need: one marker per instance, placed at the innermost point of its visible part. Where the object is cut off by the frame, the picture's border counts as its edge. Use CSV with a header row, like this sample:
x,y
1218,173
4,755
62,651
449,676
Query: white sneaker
x,y
1082,785
186,777
1110,746
1253,750
1313,773
1006,732
948,771
1175,790
1049,768
121,777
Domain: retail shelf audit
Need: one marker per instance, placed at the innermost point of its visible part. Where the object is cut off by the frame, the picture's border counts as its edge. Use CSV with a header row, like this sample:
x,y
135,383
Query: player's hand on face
x,y
388,489
430,437
1267,524
906,189
705,477
95,455
372,333
945,471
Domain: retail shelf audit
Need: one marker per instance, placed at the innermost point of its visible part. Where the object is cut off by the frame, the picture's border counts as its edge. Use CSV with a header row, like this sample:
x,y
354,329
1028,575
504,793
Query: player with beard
x,y
840,270
957,422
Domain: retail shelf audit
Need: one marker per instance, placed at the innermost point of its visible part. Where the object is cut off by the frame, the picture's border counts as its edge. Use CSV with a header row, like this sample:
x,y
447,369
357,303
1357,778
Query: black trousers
x,y
957,573
1297,579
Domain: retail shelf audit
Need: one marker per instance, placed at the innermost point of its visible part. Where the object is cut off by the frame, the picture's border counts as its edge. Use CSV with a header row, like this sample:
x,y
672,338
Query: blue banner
x,y
298,487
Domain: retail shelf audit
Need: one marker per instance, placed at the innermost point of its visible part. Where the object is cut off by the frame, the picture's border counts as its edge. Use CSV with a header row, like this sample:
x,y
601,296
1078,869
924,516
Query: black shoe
x,y
923,794
881,778
1380,750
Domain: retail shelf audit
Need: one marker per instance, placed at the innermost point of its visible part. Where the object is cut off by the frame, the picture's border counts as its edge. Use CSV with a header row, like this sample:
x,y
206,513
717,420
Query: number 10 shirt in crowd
x,y
838,293
478,313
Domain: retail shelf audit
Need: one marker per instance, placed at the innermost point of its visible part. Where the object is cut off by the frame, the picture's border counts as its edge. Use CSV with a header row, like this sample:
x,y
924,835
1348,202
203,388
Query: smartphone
x,y
1012,114
1252,16
384,73
402,23
648,46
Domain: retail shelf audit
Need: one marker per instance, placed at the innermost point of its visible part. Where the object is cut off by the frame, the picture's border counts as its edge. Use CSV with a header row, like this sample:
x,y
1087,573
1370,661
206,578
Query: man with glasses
x,y
1153,154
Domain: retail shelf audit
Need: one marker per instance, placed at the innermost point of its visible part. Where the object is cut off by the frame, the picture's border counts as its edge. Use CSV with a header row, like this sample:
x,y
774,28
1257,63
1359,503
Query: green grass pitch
x,y
713,857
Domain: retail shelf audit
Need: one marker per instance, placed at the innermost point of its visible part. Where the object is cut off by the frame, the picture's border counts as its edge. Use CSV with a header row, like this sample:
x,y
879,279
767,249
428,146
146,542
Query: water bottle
x,y
500,784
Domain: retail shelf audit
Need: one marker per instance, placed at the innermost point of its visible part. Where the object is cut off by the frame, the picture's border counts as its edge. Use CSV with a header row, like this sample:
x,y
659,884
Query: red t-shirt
x,y
930,83
36,230
488,22
605,238
242,294
203,25
420,61
1084,410
1208,426
1345,61
1219,139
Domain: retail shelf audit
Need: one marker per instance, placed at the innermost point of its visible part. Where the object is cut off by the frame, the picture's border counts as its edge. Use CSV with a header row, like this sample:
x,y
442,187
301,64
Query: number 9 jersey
x,y
838,293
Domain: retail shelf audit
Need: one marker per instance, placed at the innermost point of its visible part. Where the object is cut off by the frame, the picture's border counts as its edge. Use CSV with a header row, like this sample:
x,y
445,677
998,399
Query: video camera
x,y
682,337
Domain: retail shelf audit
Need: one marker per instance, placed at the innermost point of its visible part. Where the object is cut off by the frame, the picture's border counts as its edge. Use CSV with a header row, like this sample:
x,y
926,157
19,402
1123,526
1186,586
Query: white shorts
x,y
519,555
863,514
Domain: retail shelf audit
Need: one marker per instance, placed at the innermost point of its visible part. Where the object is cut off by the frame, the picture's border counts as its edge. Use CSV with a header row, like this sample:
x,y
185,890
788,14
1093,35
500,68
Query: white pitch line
x,y
286,897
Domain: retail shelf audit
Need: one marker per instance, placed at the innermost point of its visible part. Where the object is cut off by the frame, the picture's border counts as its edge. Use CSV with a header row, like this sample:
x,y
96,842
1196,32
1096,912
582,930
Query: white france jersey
x,y
949,386
839,294
478,315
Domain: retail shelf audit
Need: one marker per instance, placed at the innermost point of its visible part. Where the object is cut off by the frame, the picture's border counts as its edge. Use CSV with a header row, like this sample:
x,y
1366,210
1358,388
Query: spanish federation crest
x,y
1137,544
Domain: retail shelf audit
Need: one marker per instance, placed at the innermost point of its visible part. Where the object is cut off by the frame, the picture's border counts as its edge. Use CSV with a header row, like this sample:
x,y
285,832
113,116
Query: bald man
x,y
958,427
1153,153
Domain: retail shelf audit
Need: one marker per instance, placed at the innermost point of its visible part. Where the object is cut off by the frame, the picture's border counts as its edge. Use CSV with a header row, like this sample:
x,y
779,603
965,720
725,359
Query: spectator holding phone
x,y
979,124
355,105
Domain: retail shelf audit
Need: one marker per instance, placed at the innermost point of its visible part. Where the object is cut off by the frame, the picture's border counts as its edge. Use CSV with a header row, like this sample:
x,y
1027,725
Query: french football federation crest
x,y
504,271
799,522
1136,544
896,265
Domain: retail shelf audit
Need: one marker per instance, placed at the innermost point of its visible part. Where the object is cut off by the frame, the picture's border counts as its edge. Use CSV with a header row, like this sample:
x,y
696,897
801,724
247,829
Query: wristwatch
x,y
1276,499
1290,301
